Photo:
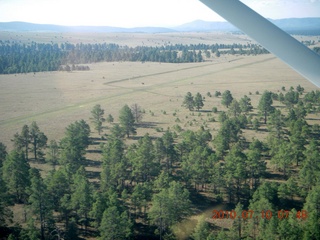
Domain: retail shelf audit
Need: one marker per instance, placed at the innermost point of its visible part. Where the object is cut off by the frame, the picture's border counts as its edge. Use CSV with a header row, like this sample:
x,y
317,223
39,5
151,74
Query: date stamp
x,y
249,214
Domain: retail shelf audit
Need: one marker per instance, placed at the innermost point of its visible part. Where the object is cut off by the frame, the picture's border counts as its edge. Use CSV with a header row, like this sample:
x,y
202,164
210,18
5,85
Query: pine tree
x,y
276,124
37,139
97,117
226,98
283,156
143,161
16,174
3,153
74,143
126,119
53,153
39,201
265,105
169,206
255,164
309,174
114,164
6,214
234,109
198,101
115,225
201,230
245,104
312,214
58,185
81,197
188,101
21,141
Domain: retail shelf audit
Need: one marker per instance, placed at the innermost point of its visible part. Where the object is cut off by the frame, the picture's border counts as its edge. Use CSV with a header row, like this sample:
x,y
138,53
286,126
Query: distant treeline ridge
x,y
37,57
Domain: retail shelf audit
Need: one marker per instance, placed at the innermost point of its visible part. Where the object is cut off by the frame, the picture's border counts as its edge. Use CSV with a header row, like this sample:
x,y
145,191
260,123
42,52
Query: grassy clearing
x,y
56,99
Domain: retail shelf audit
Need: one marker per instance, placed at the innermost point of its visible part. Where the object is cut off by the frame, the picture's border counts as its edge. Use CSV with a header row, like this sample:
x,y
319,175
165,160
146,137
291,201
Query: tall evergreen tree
x,y
255,164
283,157
3,153
97,117
127,120
6,214
38,140
276,124
265,105
245,104
234,109
143,161
21,141
198,101
115,225
114,165
312,214
53,153
16,174
310,172
39,201
74,143
188,101
202,229
226,98
169,206
81,197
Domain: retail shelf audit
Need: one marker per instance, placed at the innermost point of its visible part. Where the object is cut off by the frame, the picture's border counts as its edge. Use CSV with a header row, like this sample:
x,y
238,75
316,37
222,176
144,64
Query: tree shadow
x,y
92,163
94,151
309,118
147,124
93,174
274,176
137,138
97,141
145,232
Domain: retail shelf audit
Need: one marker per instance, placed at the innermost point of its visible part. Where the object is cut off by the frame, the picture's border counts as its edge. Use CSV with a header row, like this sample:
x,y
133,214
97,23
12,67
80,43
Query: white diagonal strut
x,y
288,49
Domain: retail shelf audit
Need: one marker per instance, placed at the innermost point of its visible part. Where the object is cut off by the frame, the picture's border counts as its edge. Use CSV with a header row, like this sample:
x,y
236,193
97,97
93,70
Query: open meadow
x,y
56,99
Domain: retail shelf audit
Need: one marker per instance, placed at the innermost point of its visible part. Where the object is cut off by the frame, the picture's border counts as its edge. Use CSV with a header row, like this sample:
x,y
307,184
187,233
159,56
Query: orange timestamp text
x,y
249,214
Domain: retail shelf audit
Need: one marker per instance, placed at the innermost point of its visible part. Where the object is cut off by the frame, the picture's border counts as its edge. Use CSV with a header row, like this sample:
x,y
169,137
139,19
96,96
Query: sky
x,y
140,13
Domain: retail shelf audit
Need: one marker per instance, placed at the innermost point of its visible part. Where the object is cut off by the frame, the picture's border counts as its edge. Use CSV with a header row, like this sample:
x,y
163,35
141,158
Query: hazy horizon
x,y
140,13
222,21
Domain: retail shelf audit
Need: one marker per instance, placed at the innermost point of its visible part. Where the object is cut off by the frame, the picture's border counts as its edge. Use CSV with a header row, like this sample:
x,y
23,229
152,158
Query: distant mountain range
x,y
291,25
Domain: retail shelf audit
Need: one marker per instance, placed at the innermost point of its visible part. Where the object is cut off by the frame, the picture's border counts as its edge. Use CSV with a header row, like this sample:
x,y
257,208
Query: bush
x,y
159,129
214,109
177,128
212,119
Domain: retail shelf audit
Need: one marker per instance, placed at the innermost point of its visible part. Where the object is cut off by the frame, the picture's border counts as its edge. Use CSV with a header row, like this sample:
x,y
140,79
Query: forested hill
x,y
309,26
37,57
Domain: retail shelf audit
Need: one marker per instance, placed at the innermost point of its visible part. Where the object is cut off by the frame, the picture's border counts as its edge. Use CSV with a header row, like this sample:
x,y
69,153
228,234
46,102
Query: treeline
x,y
38,57
145,188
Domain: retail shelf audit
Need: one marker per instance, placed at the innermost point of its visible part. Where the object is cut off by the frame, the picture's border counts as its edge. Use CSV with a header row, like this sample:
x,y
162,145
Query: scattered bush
x,y
214,109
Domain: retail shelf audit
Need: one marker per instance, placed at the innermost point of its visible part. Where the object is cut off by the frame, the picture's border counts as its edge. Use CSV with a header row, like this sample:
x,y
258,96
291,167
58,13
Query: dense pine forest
x,y
38,57
270,187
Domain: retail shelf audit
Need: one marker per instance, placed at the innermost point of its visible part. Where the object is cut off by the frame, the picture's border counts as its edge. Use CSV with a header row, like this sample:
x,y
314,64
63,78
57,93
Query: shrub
x,y
214,109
